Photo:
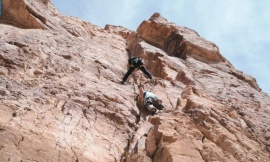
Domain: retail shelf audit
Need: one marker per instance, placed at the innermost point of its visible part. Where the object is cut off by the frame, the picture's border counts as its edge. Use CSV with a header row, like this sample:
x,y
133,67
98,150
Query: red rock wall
x,y
60,97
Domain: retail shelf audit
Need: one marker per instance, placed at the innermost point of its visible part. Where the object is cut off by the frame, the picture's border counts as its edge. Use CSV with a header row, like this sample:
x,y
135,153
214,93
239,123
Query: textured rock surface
x,y
60,97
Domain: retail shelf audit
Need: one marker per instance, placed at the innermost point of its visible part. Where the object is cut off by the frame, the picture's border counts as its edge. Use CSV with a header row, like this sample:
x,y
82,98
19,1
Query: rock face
x,y
60,97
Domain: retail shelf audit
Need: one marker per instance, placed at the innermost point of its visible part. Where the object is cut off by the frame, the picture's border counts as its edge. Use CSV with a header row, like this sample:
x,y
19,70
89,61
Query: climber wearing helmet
x,y
134,63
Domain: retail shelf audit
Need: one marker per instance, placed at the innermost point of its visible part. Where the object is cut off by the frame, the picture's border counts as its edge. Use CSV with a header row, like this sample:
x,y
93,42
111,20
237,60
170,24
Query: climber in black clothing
x,y
135,62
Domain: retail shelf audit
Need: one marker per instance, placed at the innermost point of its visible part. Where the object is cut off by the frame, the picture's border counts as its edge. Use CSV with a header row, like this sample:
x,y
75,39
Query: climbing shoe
x,y
123,82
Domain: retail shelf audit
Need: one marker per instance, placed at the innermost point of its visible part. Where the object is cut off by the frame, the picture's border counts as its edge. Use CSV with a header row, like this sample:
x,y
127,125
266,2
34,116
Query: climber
x,y
134,63
149,101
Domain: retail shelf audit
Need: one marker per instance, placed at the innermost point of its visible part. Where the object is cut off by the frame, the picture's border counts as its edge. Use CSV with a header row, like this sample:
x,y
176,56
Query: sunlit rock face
x,y
60,97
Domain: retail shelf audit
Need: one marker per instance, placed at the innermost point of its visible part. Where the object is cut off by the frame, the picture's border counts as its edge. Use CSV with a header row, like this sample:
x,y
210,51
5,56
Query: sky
x,y
240,28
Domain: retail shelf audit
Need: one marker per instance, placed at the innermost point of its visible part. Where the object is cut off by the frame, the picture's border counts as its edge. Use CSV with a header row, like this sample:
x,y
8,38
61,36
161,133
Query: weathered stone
x,y
21,14
60,97
178,41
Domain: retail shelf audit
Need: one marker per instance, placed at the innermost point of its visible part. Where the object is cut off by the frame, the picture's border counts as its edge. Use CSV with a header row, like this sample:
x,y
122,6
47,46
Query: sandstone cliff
x,y
60,97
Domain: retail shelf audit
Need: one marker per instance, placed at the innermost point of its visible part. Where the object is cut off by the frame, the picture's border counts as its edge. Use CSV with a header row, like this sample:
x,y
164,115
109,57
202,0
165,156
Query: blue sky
x,y
240,28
